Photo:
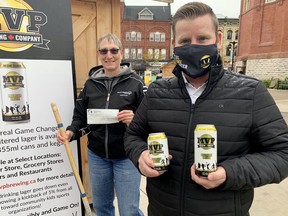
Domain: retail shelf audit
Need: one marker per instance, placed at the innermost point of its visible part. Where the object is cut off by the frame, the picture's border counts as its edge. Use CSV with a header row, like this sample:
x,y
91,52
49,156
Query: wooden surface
x,y
167,69
91,19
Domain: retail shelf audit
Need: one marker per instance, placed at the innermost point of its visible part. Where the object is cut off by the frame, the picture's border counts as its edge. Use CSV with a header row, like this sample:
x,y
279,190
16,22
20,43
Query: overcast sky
x,y
229,8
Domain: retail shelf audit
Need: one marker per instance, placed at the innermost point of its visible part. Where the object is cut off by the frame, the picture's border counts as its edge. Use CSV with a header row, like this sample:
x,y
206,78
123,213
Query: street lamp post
x,y
233,46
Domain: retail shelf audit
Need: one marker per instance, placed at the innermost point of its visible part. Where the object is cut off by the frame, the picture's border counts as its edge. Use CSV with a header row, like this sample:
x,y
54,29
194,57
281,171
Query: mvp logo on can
x,y
205,149
158,151
15,105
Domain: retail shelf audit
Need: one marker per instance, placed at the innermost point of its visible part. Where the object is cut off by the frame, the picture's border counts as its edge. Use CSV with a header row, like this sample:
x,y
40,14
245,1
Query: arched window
x,y
229,34
247,5
236,35
268,1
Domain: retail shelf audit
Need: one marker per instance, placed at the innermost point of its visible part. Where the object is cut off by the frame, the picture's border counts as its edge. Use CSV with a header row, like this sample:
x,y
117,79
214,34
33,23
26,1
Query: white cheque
x,y
102,116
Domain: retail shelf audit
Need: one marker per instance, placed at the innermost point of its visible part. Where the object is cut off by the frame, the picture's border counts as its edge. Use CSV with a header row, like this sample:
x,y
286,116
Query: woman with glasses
x,y
111,86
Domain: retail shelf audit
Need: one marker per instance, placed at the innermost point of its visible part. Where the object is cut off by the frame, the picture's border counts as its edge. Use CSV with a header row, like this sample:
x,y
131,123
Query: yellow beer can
x,y
205,149
158,150
14,96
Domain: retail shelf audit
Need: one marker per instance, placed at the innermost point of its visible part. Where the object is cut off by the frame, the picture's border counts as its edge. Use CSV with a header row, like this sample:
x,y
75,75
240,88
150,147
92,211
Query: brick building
x,y
146,35
263,39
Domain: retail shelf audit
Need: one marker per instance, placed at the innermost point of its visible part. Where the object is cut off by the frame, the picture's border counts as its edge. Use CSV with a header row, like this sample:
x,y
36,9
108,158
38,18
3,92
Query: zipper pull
x,y
108,97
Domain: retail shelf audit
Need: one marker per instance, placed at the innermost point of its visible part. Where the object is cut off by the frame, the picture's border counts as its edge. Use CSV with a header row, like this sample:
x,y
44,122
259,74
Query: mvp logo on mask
x,y
205,61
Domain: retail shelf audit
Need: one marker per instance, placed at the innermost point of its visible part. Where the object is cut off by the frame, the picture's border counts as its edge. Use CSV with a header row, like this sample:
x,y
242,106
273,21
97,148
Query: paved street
x,y
270,199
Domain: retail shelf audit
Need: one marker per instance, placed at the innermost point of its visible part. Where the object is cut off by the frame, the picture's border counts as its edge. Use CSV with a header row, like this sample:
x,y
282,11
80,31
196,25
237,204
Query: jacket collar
x,y
98,71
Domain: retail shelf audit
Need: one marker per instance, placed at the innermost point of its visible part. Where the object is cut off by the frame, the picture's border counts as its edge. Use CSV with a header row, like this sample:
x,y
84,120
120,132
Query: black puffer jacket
x,y
252,143
122,92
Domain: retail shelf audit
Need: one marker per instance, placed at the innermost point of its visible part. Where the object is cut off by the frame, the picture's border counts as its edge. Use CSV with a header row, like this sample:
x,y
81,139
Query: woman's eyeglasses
x,y
113,51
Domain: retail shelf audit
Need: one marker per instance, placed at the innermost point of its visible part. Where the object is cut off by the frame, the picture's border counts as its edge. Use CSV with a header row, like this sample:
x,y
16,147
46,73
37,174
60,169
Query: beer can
x,y
14,96
205,149
158,150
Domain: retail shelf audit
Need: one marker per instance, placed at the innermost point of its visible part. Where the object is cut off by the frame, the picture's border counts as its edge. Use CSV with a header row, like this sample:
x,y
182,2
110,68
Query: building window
x,y
229,34
156,54
126,53
247,5
163,37
133,53
139,36
157,37
151,38
150,53
127,36
145,14
145,17
133,36
236,35
228,51
163,54
268,1
139,53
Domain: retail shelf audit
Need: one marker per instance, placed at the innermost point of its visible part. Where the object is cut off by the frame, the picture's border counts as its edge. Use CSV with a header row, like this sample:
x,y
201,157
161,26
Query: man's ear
x,y
219,40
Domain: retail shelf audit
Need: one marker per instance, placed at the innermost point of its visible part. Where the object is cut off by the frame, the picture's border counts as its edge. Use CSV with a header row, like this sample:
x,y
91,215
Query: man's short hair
x,y
193,10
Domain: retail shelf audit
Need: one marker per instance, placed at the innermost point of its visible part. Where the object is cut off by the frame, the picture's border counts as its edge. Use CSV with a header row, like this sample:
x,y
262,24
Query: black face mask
x,y
196,60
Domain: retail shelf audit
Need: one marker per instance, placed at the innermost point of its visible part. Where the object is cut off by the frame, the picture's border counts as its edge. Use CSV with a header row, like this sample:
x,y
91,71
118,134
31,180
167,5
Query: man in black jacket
x,y
103,110
252,134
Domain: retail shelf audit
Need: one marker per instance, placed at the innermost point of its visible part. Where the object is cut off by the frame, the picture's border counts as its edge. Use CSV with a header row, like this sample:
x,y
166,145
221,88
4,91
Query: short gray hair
x,y
110,37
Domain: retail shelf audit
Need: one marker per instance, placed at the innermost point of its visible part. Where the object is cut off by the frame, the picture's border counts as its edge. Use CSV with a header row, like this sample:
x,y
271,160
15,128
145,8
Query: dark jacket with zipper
x,y
122,92
252,142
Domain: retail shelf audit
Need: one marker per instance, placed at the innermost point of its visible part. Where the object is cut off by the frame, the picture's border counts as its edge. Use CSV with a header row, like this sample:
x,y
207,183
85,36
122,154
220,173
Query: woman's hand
x,y
125,116
68,136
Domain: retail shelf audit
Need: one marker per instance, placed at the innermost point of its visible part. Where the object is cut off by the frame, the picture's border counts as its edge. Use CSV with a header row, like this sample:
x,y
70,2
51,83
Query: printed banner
x,y
36,68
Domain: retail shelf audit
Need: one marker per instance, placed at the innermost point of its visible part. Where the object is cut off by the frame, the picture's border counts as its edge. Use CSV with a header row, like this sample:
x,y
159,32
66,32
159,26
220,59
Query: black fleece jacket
x,y
122,92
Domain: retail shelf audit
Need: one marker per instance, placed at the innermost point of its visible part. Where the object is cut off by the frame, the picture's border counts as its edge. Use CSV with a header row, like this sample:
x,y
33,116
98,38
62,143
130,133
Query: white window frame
x,y
145,14
156,54
126,53
157,36
151,37
133,36
163,54
163,37
139,36
133,53
127,36
150,53
247,5
139,53
229,34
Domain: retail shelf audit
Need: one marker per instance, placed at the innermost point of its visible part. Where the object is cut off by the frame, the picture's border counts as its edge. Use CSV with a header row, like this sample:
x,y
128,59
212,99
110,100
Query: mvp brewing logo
x,y
20,26
206,141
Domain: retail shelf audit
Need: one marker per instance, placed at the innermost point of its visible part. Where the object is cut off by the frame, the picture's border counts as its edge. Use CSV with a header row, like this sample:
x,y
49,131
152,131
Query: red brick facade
x,y
263,30
145,27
